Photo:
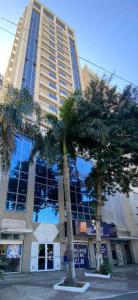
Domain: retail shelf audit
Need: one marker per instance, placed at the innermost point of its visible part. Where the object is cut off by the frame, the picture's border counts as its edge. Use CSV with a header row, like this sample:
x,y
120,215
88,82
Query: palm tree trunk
x,y
99,258
70,276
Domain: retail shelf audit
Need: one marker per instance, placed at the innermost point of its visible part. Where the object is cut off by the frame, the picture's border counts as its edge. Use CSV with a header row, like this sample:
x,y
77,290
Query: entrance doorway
x,y
127,253
45,257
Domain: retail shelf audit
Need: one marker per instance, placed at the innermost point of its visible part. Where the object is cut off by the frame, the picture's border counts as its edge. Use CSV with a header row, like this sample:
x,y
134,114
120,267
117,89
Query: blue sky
x,y
106,31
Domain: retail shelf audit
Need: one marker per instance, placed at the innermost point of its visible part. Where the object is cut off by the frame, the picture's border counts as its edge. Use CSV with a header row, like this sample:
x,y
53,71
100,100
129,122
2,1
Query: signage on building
x,y
81,259
89,228
13,251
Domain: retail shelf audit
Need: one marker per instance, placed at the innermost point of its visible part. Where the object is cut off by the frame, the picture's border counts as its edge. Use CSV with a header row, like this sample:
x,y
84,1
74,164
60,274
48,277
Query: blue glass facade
x,y
18,176
81,203
75,67
28,80
46,193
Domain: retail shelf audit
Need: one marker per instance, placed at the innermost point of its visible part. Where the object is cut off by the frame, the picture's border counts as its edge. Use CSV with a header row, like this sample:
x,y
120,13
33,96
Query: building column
x,y
109,252
29,220
134,246
119,254
4,180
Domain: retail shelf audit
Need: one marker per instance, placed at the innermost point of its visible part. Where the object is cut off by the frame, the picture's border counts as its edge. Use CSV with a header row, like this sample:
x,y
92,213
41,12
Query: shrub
x,y
105,268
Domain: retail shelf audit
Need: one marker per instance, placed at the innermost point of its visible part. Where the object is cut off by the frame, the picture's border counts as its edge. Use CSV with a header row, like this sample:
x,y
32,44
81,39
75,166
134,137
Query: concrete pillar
x,y
26,260
3,194
109,252
29,220
119,254
134,245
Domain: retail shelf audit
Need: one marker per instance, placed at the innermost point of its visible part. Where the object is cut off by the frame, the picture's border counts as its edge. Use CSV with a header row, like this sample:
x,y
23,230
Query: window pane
x,y
21,199
41,250
41,170
20,206
11,197
13,183
22,187
40,190
10,205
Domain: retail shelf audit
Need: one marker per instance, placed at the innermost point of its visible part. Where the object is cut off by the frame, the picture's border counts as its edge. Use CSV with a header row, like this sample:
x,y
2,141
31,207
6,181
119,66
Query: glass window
x,y
52,85
37,5
62,82
75,67
81,202
48,14
63,92
52,58
18,180
52,74
53,109
52,66
52,96
31,52
46,195
62,73
62,101
61,65
10,256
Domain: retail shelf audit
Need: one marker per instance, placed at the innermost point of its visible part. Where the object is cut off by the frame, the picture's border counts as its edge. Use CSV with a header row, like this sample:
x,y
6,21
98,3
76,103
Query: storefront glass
x,y
81,257
10,258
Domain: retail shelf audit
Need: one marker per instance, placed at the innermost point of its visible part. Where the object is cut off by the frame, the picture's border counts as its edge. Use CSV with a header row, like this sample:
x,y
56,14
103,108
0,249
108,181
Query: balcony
x,y
66,77
48,75
67,87
48,66
48,42
48,95
45,56
49,84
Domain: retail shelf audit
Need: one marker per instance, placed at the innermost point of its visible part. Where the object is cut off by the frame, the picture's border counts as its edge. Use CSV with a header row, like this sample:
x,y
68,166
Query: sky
x,y
106,32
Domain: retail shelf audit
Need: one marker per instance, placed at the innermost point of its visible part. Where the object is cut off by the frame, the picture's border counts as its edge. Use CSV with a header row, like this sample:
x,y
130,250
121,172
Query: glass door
x,y
41,257
50,257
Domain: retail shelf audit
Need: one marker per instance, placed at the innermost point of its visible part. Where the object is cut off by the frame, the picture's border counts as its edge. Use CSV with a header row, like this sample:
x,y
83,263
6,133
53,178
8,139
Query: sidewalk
x,y
39,286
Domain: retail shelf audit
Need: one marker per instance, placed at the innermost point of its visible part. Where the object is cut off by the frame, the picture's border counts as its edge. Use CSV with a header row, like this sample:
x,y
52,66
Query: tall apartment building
x,y
44,57
32,214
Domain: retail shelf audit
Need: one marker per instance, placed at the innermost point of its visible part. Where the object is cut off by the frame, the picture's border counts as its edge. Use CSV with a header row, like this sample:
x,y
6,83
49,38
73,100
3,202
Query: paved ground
x,y
39,286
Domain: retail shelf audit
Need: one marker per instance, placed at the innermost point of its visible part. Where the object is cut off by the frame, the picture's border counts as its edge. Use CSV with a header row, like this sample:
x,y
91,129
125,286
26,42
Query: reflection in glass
x,y
10,258
42,250
41,263
50,262
81,202
18,175
46,215
46,193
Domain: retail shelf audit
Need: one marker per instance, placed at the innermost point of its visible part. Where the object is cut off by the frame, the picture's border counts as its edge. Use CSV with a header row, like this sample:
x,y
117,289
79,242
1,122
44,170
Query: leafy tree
x,y
66,132
15,109
115,160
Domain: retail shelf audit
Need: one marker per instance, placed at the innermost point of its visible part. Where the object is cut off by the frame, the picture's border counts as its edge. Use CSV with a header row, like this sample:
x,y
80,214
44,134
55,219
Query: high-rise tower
x,y
44,57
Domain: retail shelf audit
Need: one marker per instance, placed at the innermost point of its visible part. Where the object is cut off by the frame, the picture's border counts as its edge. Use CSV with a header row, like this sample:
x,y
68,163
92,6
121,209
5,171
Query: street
x,y
39,286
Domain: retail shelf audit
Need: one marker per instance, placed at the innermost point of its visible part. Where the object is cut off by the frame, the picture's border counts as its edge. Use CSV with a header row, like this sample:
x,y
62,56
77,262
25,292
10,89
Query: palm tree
x,y
66,132
15,109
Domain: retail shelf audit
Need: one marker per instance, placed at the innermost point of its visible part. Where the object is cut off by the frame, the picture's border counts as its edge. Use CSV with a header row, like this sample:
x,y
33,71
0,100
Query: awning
x,y
125,238
16,230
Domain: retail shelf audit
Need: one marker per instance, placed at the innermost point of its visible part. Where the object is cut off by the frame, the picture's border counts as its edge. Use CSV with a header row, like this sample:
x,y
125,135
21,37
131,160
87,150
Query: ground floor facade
x,y
36,252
